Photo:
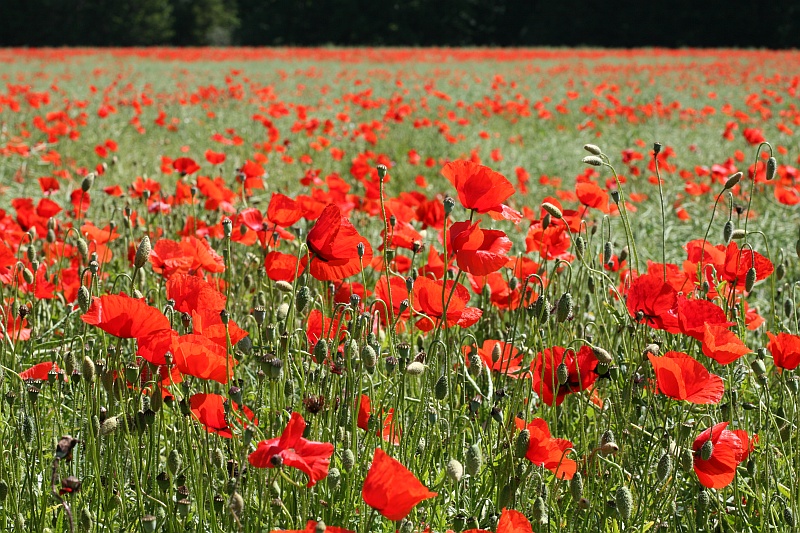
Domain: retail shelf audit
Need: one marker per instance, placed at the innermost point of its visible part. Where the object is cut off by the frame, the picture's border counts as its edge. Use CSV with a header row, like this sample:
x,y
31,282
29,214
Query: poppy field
x,y
365,290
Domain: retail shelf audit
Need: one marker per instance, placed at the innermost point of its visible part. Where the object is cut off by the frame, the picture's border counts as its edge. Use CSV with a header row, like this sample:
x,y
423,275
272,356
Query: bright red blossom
x,y
718,470
681,377
391,489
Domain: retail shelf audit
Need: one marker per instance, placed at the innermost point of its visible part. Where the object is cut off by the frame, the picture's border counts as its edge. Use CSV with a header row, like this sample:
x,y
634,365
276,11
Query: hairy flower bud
x,y
142,253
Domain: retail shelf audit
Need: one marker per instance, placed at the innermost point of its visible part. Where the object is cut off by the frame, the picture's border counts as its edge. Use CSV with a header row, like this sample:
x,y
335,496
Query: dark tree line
x,y
621,23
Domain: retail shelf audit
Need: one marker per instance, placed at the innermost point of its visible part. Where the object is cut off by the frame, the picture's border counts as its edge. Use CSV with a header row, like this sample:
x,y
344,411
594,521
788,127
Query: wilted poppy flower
x,y
391,489
291,449
653,302
718,469
209,410
481,189
722,345
547,452
581,372
333,244
785,350
508,361
681,377
478,252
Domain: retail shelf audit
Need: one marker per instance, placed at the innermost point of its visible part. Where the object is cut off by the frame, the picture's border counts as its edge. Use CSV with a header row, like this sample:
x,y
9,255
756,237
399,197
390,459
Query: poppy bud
x,y
28,425
727,231
562,373
552,210
321,350
732,181
84,299
737,234
83,248
284,286
369,356
703,499
564,307
3,490
780,271
302,298
576,486
142,253
580,246
441,388
454,470
614,196
523,440
602,355
348,460
449,204
664,467
174,462
94,266
27,275
624,501
788,307
788,517
772,165
546,221
656,148
475,364
540,511
706,450
750,279
592,149
540,309
473,460
87,182
415,368
88,369
592,160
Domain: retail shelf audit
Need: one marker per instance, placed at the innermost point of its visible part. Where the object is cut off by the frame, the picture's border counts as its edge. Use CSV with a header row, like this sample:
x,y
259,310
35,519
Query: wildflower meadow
x,y
416,290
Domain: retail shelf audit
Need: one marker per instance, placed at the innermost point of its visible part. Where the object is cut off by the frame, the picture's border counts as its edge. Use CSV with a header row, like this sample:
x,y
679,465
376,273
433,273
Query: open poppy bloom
x,y
39,371
428,299
508,362
478,252
581,367
512,521
390,431
694,315
282,267
547,452
717,469
191,293
785,350
185,166
681,377
291,449
722,345
391,489
199,356
481,189
653,302
333,243
311,527
209,410
739,261
283,210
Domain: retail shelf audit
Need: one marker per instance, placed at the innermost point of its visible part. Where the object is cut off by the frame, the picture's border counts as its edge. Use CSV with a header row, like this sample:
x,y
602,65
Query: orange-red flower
x,y
681,377
311,527
191,293
201,357
509,362
581,372
390,431
291,449
717,470
428,299
547,452
785,350
481,189
722,345
653,302
478,252
209,410
333,244
391,489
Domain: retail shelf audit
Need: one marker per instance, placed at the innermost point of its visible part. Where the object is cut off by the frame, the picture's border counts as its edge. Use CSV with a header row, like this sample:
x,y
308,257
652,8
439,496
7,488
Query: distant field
x,y
549,366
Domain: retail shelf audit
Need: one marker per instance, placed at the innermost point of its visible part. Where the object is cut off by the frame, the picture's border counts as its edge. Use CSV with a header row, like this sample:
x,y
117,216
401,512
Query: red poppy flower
x,y
333,243
591,195
581,367
185,166
694,315
681,377
283,211
282,267
748,443
390,431
653,302
785,350
39,371
196,355
209,410
191,293
738,262
478,252
208,323
718,470
321,327
188,256
547,452
512,521
509,362
428,299
391,489
551,243
291,449
311,527
722,345
215,158
481,188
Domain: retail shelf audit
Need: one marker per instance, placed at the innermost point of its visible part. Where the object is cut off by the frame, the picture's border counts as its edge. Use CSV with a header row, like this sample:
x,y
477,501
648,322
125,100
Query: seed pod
x,y
750,279
664,467
564,307
142,253
302,298
727,231
454,470
523,440
592,149
592,160
540,511
441,388
624,501
576,486
473,460
348,460
772,165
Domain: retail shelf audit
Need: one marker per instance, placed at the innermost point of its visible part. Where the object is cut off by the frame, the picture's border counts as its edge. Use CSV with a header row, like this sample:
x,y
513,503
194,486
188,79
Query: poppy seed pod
x,y
656,148
415,368
382,171
227,227
142,253
449,204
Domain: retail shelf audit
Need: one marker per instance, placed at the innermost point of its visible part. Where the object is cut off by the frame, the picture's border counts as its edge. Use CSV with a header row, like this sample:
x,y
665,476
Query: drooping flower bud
x,y
142,253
